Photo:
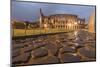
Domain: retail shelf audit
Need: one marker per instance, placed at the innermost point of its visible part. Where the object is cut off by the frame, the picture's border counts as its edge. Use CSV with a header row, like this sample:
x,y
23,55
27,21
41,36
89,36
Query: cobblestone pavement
x,y
59,48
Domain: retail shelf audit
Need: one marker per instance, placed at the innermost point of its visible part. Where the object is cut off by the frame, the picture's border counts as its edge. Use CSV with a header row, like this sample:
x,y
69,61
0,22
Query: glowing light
x,y
45,25
75,33
74,54
76,44
69,24
75,23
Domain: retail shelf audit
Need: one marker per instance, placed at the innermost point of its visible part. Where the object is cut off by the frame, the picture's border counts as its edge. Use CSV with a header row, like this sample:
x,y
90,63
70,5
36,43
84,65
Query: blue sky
x,y
29,11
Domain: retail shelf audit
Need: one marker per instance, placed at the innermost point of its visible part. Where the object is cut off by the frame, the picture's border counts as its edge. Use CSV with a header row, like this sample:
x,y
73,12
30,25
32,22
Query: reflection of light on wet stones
x,y
77,40
78,45
28,39
39,52
68,49
84,35
70,57
87,52
17,41
45,60
75,33
22,41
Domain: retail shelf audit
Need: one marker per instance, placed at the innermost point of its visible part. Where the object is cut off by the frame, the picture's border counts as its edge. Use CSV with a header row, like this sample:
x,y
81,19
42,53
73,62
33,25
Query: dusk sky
x,y
29,11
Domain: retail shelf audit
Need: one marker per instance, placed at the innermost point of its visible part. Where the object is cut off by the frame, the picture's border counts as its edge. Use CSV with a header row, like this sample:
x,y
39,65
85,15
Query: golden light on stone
x,y
75,23
45,25
69,24
59,21
91,24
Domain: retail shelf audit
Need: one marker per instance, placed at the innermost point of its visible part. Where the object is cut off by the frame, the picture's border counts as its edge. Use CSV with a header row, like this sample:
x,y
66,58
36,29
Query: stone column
x,y
91,24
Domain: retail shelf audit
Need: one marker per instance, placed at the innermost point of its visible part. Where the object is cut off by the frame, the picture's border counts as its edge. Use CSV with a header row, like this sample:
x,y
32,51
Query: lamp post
x,y
25,28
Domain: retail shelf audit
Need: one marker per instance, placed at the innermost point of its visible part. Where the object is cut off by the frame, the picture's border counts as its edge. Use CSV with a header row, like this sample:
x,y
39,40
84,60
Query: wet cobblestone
x,y
57,48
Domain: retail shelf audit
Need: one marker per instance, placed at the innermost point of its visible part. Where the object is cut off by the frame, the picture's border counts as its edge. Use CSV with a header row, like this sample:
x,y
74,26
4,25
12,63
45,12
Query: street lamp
x,y
25,28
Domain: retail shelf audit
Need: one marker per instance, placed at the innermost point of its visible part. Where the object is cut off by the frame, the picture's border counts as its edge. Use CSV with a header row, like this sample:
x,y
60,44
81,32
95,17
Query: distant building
x,y
56,21
61,21
16,24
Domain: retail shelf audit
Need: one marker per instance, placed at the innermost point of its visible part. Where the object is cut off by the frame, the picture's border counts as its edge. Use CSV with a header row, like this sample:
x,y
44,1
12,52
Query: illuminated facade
x,y
61,21
91,25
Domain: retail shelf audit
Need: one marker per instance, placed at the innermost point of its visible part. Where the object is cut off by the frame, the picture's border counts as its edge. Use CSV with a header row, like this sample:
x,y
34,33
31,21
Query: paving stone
x,y
64,44
51,48
68,49
79,45
84,35
91,45
39,52
29,43
21,58
58,48
87,52
15,52
27,49
18,46
39,44
44,60
79,41
69,58
88,59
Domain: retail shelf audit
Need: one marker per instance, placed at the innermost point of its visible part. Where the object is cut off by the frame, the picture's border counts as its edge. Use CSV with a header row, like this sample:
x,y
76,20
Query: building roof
x,y
63,15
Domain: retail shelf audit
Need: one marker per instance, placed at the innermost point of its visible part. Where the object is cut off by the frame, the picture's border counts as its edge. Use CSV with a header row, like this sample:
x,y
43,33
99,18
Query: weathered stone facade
x,y
61,21
91,25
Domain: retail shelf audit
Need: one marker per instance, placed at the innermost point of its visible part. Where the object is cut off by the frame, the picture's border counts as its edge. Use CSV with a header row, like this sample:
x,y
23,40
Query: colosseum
x,y
61,21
